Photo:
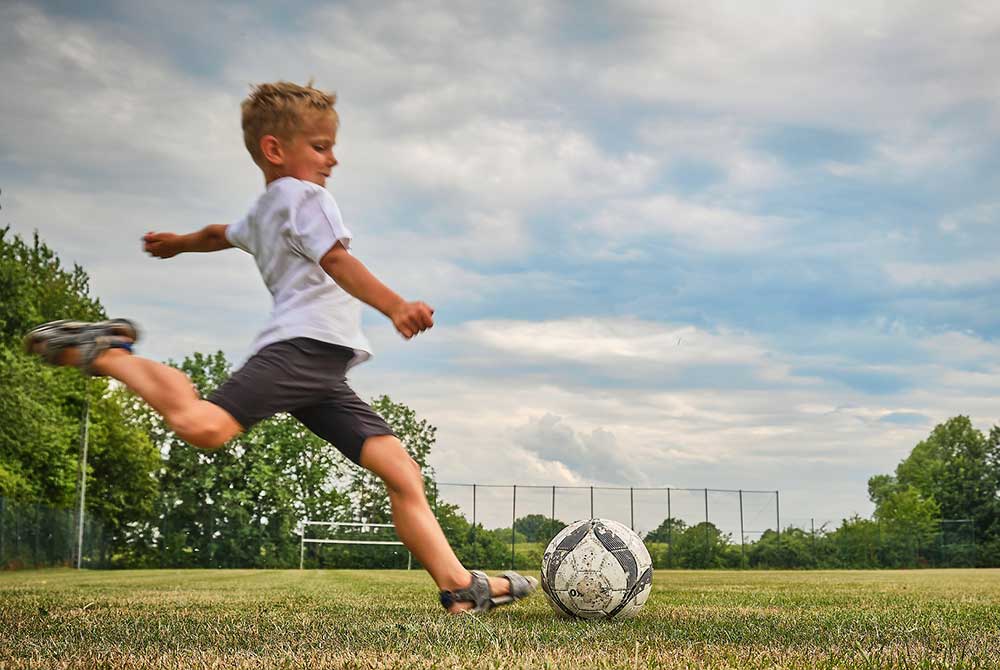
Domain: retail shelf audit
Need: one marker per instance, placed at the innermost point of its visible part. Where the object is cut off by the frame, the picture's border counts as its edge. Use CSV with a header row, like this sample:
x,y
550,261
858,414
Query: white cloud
x,y
971,220
508,164
612,343
626,222
813,63
594,456
950,274
726,143
93,110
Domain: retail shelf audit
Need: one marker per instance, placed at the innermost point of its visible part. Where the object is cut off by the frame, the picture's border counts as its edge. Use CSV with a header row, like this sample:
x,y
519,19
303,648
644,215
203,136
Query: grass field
x,y
390,619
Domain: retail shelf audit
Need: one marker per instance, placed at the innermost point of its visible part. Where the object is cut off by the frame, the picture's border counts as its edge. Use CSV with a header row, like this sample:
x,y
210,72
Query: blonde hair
x,y
278,109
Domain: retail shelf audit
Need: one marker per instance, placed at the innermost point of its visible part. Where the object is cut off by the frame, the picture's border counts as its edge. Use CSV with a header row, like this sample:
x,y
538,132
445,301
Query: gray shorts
x,y
305,378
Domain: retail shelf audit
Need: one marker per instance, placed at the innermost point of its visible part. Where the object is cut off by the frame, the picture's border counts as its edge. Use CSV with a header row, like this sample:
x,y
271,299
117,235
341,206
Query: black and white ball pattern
x,y
597,569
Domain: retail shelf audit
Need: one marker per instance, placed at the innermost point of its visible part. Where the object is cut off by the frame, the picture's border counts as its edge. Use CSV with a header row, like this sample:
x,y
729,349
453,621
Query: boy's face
x,y
309,155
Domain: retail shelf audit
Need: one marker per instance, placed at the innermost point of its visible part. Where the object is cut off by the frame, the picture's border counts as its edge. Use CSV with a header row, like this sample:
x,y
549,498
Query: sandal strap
x,y
520,587
477,593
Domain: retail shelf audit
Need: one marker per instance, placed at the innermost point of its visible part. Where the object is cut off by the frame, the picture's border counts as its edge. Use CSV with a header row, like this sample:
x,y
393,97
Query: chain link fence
x,y
510,526
35,536
683,527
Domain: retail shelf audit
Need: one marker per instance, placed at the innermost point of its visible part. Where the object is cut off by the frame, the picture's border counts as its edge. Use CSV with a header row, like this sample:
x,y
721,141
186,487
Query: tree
x,y
792,548
41,407
855,544
474,546
704,546
958,468
40,422
118,453
538,527
666,531
35,288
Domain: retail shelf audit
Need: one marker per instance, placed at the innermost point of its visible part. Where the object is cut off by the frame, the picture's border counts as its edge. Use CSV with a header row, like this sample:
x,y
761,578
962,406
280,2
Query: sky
x,y
669,244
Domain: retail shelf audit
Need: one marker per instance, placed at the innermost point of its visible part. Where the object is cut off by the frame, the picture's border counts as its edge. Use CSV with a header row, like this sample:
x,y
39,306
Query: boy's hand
x,y
411,318
161,245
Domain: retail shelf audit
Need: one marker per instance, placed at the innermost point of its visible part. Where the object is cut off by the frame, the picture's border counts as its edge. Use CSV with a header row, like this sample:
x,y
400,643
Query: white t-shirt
x,y
288,231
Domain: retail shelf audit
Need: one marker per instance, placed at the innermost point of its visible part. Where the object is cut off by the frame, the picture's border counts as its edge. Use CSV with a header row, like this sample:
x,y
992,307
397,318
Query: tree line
x,y
161,503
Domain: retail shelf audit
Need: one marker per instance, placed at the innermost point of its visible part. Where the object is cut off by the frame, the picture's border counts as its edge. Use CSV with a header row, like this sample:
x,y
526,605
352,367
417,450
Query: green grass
x,y
390,619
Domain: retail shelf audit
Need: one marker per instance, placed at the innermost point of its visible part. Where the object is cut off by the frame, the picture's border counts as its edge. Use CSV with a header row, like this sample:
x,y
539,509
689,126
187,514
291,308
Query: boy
x,y
299,361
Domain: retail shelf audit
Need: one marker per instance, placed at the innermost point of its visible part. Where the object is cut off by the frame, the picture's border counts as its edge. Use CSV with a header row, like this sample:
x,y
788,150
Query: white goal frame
x,y
303,540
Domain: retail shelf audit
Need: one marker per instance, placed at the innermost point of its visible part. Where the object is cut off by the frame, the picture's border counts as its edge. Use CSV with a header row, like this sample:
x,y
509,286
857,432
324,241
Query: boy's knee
x,y
387,458
412,481
204,429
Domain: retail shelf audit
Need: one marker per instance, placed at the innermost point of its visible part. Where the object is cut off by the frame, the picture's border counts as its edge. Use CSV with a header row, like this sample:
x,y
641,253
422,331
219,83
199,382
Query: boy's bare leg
x,y
414,520
170,392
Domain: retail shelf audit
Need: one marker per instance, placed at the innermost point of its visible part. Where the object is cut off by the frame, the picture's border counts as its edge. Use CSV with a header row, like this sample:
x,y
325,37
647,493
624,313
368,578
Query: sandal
x,y
52,339
478,592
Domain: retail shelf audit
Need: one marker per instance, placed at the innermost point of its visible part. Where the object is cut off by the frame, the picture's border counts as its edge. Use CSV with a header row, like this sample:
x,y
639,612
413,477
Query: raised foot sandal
x,y
52,340
478,592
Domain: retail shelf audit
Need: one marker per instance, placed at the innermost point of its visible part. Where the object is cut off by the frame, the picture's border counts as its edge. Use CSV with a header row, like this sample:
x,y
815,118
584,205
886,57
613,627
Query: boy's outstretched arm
x,y
168,245
409,318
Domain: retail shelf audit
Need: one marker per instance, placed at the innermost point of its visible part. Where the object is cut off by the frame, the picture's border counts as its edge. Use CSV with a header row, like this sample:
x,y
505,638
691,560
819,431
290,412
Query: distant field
x,y
390,619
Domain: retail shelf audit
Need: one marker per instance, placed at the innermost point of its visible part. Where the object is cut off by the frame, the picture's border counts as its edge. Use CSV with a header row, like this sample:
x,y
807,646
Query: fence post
x,y
812,526
708,538
513,518
38,531
743,541
777,511
670,533
553,503
83,479
473,508
941,544
3,527
631,506
878,547
591,502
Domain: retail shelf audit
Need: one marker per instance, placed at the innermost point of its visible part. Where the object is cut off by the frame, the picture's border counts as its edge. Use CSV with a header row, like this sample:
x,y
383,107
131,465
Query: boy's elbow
x,y
335,260
217,235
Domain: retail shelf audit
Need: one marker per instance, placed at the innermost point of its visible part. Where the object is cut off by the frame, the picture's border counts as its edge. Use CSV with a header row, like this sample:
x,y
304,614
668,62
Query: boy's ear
x,y
270,148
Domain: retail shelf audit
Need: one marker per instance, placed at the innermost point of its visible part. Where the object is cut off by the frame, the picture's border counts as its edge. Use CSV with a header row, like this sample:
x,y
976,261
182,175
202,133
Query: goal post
x,y
364,528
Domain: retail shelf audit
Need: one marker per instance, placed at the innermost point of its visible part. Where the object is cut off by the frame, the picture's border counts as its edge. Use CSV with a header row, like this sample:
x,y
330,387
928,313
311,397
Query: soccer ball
x,y
597,569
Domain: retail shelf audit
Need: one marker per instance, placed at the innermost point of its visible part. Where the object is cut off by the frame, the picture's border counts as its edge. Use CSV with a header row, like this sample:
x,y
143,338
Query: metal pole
x,y
631,505
473,506
941,543
708,537
743,540
302,548
83,481
553,503
591,502
812,526
777,511
513,519
670,533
